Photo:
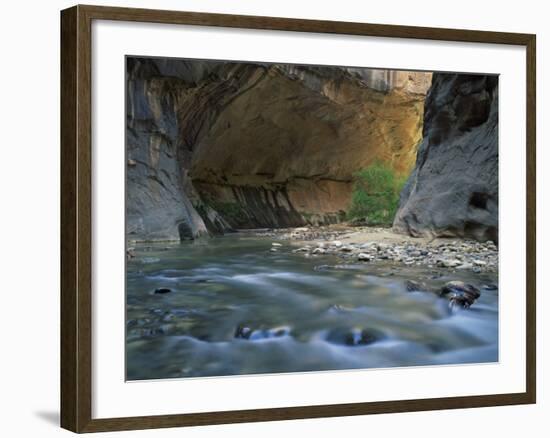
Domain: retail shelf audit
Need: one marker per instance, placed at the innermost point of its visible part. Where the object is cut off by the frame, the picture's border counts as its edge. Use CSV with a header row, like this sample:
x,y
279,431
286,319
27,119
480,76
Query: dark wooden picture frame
x,y
76,218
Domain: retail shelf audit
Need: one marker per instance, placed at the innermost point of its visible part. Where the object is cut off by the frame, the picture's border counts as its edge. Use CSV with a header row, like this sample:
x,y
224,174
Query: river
x,y
231,306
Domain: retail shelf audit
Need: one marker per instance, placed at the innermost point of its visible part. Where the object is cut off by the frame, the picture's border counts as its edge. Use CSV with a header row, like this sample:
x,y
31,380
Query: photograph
x,y
295,218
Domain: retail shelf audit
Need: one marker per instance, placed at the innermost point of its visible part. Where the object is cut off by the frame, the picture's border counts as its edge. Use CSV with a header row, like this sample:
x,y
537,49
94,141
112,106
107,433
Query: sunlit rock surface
x,y
215,145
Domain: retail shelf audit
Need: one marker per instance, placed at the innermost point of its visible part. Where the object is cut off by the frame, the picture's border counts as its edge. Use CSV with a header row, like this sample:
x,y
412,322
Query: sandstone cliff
x,y
216,145
453,189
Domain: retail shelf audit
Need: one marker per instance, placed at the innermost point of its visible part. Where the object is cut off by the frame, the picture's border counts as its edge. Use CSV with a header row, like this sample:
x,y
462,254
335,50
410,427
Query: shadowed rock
x,y
460,294
453,189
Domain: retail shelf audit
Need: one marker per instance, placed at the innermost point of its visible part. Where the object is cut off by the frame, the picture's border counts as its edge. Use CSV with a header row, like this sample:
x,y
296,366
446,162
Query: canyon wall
x,y
453,189
213,146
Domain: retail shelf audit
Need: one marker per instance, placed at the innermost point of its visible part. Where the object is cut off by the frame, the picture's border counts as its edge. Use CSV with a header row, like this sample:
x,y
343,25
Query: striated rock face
x,y
453,189
216,145
159,193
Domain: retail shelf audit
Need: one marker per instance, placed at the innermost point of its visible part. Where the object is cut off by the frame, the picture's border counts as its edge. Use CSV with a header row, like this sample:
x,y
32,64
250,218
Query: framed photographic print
x,y
270,218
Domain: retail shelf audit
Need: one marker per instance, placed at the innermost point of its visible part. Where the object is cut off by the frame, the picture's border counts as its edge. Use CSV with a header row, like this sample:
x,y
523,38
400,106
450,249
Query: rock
x,y
243,332
319,251
480,263
490,286
449,263
339,308
414,286
460,293
353,337
364,257
346,248
215,145
336,243
453,189
149,260
465,266
169,317
162,290
275,332
369,245
275,244
273,249
145,332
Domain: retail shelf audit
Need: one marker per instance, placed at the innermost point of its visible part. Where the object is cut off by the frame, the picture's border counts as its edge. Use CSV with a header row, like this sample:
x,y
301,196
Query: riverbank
x,y
376,244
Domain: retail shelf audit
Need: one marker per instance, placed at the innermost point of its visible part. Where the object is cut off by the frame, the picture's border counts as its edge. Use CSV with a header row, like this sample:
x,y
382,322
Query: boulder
x,y
453,189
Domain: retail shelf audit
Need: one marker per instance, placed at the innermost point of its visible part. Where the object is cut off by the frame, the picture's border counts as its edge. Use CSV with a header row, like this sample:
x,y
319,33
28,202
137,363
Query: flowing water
x,y
234,307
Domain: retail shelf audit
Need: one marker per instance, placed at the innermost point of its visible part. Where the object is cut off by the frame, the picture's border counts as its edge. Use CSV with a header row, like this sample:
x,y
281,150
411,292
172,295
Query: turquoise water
x,y
235,307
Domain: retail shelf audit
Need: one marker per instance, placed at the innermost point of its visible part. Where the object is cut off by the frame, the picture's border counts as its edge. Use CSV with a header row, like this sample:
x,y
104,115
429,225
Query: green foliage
x,y
231,211
376,194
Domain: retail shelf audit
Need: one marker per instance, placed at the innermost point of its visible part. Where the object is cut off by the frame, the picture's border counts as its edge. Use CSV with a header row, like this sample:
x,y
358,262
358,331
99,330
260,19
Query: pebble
x,y
162,290
450,254
364,257
244,332
449,263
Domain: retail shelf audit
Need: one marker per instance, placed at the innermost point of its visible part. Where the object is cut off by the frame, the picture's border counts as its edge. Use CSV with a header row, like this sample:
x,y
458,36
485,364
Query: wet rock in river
x,y
138,322
353,337
162,290
276,332
460,293
415,286
244,332
145,332
337,308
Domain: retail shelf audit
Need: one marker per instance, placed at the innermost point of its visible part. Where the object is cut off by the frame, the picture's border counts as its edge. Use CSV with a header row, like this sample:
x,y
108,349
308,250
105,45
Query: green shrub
x,y
375,196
